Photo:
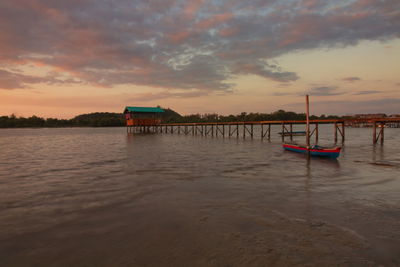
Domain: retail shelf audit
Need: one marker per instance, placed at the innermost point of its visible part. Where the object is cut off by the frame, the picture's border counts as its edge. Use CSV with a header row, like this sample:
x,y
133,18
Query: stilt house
x,y
142,116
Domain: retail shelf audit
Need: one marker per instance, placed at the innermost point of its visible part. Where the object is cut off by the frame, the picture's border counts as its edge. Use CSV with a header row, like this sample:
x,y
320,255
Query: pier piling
x,y
205,129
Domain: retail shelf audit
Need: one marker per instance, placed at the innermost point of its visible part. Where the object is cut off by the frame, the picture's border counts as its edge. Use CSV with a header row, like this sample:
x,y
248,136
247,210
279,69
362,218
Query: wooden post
x,y
251,134
262,131
316,132
374,133
269,131
335,132
283,132
237,130
382,132
229,128
291,132
343,135
223,130
244,131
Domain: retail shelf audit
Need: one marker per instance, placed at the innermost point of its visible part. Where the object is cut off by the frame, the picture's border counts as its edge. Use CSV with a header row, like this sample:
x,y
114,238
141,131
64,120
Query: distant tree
x,y
108,119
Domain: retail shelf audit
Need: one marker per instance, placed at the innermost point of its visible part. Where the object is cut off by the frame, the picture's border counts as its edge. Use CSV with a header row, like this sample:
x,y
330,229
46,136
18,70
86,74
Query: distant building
x,y
370,116
142,116
361,120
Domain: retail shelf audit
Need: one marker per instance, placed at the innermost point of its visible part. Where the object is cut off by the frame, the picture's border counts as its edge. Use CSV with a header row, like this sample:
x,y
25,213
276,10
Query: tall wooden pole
x,y
308,125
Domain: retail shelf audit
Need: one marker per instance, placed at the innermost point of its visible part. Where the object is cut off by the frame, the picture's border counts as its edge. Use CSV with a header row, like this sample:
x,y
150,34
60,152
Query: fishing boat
x,y
315,150
318,151
294,133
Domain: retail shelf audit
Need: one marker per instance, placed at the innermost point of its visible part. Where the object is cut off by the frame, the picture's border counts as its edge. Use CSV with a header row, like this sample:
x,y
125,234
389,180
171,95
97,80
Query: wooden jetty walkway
x,y
231,129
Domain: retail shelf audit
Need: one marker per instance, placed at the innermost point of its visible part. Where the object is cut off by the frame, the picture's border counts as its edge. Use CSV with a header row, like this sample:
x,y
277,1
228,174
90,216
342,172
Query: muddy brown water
x,y
100,197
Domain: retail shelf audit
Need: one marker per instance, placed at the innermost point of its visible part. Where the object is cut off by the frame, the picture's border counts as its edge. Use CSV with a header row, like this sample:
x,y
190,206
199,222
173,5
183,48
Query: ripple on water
x,y
232,197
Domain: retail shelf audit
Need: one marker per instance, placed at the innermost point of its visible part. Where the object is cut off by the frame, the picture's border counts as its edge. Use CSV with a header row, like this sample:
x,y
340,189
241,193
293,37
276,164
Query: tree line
x,y
98,119
109,119
279,115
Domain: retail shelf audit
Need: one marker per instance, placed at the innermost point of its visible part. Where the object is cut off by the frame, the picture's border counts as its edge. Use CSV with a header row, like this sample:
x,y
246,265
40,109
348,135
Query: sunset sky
x,y
62,58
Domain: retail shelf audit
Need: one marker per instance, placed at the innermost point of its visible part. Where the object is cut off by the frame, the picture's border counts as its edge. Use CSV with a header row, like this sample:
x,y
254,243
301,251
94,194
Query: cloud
x,y
367,92
383,105
166,94
13,80
281,94
180,44
351,79
263,69
324,91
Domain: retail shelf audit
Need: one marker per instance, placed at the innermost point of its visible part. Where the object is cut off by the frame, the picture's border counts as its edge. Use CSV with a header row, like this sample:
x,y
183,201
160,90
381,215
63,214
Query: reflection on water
x,y
100,197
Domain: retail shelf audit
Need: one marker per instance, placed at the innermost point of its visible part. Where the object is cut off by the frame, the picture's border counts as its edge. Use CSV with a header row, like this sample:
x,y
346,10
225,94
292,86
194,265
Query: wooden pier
x,y
232,129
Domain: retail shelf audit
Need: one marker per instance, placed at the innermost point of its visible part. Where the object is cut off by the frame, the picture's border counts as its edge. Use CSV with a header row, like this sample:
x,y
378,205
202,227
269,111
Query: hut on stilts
x,y
142,119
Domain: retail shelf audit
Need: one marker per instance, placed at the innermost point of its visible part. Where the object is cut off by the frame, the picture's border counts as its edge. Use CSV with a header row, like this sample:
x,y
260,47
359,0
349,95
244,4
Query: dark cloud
x,y
351,79
265,70
281,94
180,44
383,105
367,92
167,94
13,80
324,91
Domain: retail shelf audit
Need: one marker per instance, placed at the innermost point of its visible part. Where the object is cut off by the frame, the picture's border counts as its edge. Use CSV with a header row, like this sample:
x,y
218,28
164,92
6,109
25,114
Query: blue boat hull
x,y
317,151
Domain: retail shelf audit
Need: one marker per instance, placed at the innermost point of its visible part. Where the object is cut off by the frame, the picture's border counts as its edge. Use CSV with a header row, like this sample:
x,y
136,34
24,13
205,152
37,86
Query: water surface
x,y
100,197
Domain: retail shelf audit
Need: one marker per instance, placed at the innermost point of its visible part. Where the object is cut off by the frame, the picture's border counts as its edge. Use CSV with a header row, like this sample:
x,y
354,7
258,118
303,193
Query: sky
x,y
62,58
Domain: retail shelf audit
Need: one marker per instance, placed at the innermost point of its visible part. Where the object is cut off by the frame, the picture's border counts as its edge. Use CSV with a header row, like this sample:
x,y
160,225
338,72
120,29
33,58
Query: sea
x,y
103,197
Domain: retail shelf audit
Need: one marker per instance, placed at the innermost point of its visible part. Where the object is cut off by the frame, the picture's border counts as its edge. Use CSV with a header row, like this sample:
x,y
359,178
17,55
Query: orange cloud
x,y
191,8
213,21
300,29
179,37
228,31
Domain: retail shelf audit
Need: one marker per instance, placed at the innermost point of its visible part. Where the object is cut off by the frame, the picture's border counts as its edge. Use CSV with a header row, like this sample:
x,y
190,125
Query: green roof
x,y
143,109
